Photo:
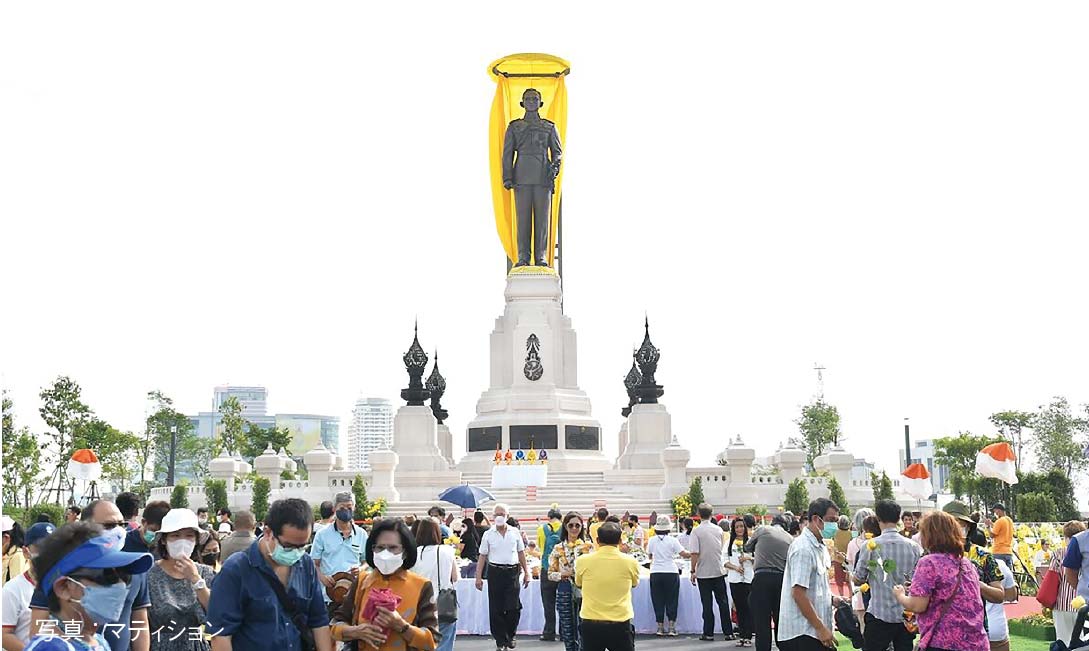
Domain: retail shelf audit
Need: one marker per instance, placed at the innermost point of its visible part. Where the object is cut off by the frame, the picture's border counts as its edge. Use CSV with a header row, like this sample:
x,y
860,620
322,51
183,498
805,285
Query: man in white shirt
x,y
709,573
504,552
19,590
805,607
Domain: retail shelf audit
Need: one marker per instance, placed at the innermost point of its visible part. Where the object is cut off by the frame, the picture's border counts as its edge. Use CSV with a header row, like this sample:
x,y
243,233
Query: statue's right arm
x,y
508,158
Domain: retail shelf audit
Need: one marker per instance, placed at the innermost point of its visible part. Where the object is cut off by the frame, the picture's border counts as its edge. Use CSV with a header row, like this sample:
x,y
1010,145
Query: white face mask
x,y
386,562
500,520
180,548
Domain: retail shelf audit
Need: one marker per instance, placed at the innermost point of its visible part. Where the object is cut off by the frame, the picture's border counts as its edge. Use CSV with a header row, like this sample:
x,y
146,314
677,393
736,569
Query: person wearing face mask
x,y
18,591
178,585
414,623
805,607
120,633
339,547
83,575
269,597
435,562
142,539
504,552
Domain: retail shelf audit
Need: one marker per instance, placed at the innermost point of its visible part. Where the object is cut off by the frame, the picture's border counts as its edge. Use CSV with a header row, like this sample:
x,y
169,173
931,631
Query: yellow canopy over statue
x,y
513,75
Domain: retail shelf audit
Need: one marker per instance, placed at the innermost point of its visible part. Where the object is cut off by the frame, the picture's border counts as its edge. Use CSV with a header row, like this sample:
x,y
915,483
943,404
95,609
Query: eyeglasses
x,y
110,525
393,549
289,545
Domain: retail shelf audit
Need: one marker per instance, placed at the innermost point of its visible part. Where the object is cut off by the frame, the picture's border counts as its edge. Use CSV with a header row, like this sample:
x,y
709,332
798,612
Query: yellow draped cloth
x,y
513,75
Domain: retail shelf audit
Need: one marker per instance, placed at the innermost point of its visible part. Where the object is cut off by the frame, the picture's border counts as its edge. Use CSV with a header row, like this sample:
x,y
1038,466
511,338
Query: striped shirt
x,y
891,562
1067,592
807,566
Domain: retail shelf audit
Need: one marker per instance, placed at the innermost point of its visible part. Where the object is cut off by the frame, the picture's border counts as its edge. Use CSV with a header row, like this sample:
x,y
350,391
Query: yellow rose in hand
x,y
864,588
872,545
1077,603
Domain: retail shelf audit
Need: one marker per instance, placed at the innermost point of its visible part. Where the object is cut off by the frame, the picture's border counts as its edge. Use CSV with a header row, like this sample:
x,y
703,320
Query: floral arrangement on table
x,y
629,546
376,508
682,506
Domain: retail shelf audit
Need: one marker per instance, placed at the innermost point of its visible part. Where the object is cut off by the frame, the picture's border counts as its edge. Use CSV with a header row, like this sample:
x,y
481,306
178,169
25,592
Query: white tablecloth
x,y
473,609
514,476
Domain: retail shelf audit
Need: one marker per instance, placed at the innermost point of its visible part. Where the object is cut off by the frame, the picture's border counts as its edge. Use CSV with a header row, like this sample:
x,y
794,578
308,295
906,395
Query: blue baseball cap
x,y
99,553
39,532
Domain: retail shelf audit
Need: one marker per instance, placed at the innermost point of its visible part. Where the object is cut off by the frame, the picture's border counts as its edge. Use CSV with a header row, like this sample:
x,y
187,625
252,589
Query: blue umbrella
x,y
466,496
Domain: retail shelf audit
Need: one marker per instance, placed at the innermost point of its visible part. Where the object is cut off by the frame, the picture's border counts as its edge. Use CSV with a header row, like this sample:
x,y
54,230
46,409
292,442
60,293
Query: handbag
x,y
945,609
446,601
1048,594
298,619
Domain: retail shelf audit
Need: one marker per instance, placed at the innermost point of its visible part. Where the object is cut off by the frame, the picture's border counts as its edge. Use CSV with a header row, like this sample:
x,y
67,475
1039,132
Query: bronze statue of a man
x,y
532,175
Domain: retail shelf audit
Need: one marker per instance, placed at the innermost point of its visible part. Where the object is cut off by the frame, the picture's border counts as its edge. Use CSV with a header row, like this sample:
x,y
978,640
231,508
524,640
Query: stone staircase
x,y
573,491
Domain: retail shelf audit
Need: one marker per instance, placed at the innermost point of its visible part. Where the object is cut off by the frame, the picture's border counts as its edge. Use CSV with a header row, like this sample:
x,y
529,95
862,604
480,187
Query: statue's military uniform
x,y
532,175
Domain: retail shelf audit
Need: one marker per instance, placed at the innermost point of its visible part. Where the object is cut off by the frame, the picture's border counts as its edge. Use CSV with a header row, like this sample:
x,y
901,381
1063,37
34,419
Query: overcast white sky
x,y
268,193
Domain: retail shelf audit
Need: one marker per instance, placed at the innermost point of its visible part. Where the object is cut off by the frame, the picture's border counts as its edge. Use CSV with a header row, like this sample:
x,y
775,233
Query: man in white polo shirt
x,y
504,552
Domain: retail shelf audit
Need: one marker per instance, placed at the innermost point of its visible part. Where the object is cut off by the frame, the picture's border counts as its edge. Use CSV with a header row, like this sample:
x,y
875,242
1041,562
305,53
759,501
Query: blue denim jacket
x,y
244,606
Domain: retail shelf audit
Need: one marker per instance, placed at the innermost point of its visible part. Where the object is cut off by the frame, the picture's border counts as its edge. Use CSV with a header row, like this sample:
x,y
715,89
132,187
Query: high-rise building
x,y
923,452
371,429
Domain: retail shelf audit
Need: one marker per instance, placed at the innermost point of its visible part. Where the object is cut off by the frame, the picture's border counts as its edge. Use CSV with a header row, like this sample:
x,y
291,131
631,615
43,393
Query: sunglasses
x,y
574,525
110,525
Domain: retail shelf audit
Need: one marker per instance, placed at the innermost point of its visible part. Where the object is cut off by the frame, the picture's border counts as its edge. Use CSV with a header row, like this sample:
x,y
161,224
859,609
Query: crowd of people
x,y
171,579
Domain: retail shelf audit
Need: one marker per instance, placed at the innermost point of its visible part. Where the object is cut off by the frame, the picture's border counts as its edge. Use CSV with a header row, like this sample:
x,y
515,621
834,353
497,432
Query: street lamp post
x,y
173,446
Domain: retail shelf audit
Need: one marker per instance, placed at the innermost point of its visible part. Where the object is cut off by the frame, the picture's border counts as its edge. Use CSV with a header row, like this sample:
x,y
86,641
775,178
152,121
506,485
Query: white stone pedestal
x,y
446,444
421,471
525,399
675,461
649,432
383,462
415,440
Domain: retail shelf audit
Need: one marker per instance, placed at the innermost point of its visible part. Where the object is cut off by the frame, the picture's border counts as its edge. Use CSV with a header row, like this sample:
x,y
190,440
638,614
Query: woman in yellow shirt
x,y
14,561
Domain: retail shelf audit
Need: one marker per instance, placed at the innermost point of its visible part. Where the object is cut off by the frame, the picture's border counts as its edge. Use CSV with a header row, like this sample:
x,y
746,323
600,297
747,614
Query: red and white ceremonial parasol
x,y
916,482
85,465
997,461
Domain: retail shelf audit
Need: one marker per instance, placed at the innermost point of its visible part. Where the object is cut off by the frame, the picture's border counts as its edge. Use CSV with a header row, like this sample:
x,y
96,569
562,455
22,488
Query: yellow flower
x,y
871,545
868,536
864,588
1077,603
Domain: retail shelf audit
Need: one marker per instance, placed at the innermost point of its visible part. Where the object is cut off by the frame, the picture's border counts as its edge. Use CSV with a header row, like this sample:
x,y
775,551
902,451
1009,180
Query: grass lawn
x,y
1017,643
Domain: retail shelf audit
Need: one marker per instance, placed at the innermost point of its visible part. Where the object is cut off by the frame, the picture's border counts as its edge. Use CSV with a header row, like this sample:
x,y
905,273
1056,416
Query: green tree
x,y
1060,438
262,488
836,494
1053,483
884,492
1036,507
695,493
797,497
230,437
197,453
215,494
818,425
359,494
257,438
22,459
179,497
1011,426
62,410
